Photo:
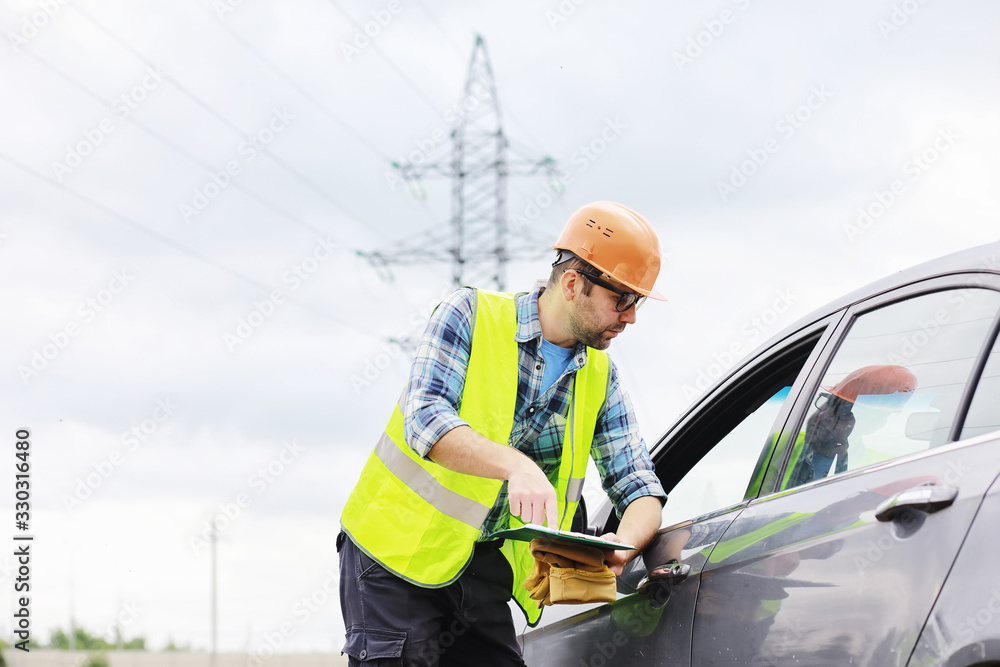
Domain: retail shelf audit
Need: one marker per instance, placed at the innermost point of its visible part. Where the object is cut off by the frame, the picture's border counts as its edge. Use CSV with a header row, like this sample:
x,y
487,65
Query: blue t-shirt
x,y
556,360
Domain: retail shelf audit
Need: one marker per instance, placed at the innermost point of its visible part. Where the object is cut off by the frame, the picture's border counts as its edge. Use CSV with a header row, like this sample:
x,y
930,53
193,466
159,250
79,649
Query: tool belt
x,y
568,574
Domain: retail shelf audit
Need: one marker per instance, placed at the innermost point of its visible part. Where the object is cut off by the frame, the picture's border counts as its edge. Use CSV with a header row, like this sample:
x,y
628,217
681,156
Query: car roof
x,y
980,259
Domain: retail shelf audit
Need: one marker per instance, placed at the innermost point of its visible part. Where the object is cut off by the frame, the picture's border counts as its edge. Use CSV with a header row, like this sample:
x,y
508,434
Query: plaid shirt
x,y
434,395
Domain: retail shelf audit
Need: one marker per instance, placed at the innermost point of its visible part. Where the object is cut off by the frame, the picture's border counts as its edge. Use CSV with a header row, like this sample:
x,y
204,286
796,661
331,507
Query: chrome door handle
x,y
927,498
669,573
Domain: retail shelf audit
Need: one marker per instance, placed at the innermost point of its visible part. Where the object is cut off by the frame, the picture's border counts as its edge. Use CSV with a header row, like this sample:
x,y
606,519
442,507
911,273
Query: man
x,y
507,397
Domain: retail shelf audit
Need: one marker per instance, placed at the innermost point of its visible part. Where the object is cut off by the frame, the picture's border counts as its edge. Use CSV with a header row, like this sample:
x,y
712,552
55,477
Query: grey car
x,y
833,500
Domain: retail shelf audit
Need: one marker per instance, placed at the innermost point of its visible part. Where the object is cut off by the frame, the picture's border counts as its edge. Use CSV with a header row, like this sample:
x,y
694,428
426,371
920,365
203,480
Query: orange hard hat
x,y
616,241
871,380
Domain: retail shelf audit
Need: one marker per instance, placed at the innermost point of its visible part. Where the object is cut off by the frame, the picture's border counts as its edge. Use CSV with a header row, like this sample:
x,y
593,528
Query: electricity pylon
x,y
477,240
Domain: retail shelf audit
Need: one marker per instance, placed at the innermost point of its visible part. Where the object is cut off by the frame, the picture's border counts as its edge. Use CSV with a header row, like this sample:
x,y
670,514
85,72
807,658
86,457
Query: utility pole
x,y
477,240
72,599
215,610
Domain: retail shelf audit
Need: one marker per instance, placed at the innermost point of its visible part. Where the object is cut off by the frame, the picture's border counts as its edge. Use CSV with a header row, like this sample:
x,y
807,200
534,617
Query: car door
x,y
711,464
964,627
841,557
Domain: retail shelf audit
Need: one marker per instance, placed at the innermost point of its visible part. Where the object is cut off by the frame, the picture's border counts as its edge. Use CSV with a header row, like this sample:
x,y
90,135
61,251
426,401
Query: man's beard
x,y
585,329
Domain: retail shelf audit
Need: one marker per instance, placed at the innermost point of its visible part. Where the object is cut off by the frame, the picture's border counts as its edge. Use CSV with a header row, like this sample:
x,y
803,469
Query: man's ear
x,y
569,282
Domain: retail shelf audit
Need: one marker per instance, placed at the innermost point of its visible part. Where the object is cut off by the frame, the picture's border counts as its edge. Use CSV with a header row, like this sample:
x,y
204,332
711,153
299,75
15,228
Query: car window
x,y
984,412
717,456
895,383
720,478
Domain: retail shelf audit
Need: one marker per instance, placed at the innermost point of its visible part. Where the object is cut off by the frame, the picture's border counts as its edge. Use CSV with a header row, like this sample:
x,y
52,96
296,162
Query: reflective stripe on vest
x,y
422,482
421,520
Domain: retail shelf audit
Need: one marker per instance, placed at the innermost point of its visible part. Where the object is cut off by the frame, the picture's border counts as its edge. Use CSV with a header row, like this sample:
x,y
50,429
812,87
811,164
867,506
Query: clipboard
x,y
531,531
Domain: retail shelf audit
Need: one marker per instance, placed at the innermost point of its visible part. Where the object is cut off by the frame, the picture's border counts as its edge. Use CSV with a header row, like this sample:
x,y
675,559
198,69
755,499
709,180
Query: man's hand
x,y
617,559
638,525
531,496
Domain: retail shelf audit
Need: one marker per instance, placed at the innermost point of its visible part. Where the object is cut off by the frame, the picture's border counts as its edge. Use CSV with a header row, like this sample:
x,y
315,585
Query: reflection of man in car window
x,y
828,427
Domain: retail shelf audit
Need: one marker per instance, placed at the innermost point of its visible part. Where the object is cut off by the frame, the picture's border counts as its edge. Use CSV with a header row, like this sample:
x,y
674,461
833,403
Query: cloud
x,y
318,366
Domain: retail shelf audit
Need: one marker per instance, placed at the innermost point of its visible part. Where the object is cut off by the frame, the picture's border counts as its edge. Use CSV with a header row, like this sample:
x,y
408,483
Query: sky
x,y
193,336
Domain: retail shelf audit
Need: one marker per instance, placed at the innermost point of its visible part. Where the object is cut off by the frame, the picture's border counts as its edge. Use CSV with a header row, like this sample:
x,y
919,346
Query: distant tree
x,y
85,641
59,640
88,642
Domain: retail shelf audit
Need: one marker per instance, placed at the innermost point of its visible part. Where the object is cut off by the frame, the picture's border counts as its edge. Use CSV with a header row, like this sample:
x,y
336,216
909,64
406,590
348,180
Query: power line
x,y
178,149
440,28
185,153
425,208
173,146
413,86
173,244
234,183
222,119
288,79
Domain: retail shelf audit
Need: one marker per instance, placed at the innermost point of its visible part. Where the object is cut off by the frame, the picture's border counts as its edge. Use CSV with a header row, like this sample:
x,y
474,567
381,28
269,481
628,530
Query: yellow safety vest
x,y
421,520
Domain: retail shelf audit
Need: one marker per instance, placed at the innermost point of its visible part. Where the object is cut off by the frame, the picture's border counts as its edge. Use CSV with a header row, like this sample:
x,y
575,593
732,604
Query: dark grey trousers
x,y
390,621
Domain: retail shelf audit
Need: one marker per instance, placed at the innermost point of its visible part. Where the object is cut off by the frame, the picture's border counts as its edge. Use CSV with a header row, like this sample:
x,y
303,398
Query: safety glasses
x,y
625,299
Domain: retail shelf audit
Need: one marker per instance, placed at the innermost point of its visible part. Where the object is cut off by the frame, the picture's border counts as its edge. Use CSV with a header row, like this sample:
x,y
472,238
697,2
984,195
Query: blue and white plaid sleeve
x,y
437,377
620,453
